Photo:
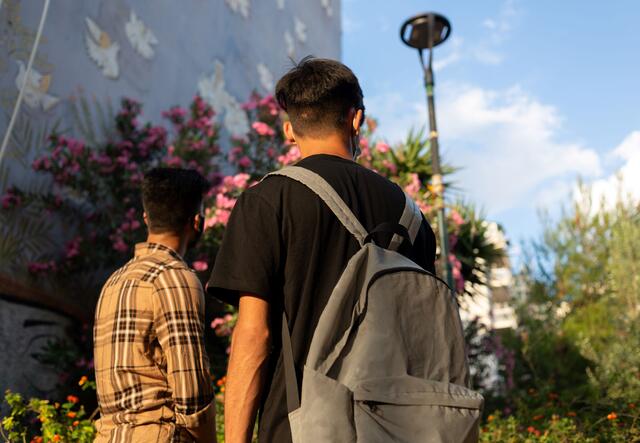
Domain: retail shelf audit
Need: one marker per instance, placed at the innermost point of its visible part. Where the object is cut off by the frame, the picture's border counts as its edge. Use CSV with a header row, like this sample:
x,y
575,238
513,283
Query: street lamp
x,y
426,31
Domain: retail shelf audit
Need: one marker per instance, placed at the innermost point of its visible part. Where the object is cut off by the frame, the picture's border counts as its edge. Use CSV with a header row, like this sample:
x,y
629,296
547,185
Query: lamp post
x,y
426,31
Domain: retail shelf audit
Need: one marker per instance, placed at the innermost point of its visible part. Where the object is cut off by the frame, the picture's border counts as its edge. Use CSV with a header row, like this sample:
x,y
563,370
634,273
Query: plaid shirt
x,y
152,371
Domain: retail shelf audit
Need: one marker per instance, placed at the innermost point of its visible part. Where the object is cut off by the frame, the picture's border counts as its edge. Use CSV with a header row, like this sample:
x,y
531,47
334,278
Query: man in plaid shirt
x,y
152,371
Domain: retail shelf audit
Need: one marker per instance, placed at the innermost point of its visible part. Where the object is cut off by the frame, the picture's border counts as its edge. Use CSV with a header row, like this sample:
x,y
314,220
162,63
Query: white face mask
x,y
355,148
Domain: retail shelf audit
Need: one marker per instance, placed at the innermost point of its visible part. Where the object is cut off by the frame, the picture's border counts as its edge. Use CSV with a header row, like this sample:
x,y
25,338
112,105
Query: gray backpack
x,y
387,361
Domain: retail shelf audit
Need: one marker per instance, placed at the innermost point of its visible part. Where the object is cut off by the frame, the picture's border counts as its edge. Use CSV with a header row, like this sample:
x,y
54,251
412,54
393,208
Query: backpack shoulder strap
x,y
411,219
324,190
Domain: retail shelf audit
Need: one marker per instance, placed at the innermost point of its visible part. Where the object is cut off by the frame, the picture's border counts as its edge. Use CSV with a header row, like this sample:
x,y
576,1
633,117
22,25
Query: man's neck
x,y
169,240
330,145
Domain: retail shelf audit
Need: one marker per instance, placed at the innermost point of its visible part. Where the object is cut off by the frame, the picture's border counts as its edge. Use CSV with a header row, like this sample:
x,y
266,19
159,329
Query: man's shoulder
x,y
148,269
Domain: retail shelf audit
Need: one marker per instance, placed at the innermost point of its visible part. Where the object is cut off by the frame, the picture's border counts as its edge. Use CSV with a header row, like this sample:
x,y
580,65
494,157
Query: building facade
x,y
159,53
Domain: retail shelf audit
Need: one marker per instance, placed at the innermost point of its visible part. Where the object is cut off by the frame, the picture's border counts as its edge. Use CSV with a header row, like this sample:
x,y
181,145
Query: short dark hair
x,y
317,94
171,197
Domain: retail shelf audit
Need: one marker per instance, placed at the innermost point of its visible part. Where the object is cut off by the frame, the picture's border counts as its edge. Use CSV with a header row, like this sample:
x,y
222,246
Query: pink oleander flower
x,y
222,216
291,156
119,245
382,147
244,162
241,180
263,129
200,265
456,271
224,202
456,218
413,188
393,169
72,249
10,199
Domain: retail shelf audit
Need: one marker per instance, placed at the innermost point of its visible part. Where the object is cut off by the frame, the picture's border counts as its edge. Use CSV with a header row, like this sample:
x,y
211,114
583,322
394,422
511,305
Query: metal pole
x,y
438,187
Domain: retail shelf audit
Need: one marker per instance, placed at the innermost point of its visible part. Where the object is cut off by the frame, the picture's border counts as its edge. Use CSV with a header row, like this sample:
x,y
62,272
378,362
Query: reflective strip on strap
x,y
411,219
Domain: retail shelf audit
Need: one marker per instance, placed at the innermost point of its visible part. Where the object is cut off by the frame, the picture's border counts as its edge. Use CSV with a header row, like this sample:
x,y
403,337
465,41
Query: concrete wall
x,y
159,52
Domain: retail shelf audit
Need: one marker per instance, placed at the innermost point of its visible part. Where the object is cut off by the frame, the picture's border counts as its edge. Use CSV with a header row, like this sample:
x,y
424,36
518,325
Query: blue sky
x,y
529,95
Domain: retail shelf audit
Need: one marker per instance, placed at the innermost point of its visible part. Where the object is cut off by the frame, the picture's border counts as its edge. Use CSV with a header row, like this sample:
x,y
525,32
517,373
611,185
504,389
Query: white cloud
x,y
625,182
506,141
454,55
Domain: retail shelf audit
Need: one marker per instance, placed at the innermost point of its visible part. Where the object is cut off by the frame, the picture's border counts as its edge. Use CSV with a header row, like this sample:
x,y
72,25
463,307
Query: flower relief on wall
x,y
35,88
141,38
102,50
213,90
239,6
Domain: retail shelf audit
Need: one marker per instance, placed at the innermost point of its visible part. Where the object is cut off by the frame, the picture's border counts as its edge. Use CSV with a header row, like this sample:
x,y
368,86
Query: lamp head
x,y
425,31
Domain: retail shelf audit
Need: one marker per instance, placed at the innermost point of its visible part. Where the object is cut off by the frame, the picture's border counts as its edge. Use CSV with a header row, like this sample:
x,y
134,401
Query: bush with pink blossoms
x,y
95,192
409,165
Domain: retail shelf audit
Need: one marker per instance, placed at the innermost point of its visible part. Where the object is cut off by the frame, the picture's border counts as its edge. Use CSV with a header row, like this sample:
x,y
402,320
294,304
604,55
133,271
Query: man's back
x,y
151,371
284,244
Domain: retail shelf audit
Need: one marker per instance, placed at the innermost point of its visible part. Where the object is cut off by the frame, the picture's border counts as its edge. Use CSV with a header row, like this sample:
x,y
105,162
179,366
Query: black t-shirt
x,y
282,243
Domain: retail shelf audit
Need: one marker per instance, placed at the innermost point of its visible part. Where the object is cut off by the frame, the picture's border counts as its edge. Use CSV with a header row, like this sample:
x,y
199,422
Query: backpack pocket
x,y
412,410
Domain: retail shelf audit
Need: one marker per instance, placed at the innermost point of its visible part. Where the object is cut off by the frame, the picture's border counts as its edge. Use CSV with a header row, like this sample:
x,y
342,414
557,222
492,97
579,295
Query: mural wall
x,y
160,53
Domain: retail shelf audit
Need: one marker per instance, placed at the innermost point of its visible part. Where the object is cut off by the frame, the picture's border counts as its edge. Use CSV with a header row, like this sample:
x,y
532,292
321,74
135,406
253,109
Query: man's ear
x,y
358,115
287,128
145,219
197,220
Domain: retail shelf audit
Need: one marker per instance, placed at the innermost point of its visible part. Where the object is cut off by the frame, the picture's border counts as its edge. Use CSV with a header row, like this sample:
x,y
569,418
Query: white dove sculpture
x,y
300,29
140,36
212,89
36,88
326,4
266,77
289,44
102,50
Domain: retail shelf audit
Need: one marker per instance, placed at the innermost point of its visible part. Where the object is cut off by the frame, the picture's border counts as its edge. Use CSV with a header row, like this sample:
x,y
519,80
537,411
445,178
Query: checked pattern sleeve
x,y
178,301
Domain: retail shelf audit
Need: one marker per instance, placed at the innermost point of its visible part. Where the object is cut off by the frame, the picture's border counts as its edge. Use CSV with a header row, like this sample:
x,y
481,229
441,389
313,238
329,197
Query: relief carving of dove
x,y
213,90
102,50
36,88
140,36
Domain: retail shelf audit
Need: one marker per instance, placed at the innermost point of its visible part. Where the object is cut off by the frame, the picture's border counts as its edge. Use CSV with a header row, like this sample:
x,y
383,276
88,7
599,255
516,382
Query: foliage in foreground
x,y
576,353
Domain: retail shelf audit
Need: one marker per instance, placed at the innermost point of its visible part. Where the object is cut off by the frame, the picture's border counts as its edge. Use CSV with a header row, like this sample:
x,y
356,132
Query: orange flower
x,y
71,414
36,440
56,437
571,414
83,380
490,418
538,417
531,429
632,405
612,416
76,423
72,399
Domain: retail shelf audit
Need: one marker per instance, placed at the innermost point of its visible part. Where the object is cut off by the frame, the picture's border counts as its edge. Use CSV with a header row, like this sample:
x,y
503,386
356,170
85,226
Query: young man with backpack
x,y
332,327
